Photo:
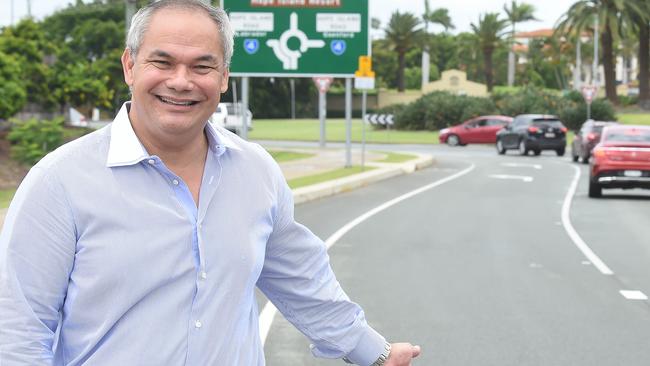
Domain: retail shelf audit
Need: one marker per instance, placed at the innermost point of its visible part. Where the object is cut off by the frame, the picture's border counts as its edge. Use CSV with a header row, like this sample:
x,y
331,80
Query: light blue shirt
x,y
106,260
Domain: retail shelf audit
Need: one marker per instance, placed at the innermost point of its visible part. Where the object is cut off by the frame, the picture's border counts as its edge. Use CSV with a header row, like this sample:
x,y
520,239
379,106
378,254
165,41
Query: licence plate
x,y
549,134
632,173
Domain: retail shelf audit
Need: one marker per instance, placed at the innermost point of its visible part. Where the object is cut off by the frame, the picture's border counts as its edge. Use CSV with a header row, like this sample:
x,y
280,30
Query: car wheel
x,y
537,152
500,149
453,140
523,150
595,190
585,159
575,157
560,151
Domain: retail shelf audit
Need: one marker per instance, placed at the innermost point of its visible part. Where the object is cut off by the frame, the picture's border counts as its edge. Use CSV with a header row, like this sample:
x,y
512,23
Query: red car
x,y
481,130
586,139
621,159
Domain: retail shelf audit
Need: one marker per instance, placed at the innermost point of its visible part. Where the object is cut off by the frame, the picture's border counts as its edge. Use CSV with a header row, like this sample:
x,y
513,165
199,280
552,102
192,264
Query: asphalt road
x,y
481,270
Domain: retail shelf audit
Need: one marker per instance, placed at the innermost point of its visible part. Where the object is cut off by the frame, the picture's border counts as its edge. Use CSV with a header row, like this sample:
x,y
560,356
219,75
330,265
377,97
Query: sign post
x,y
364,79
589,92
323,85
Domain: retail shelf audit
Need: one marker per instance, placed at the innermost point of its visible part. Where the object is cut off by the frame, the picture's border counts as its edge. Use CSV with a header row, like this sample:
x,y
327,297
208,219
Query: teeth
x,y
174,102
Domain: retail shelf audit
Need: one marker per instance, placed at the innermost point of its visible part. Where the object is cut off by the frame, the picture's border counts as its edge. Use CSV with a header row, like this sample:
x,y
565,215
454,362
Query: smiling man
x,y
142,243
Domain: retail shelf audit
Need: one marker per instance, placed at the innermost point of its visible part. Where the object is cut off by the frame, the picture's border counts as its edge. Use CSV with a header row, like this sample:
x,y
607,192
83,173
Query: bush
x,y
33,139
527,100
438,110
574,112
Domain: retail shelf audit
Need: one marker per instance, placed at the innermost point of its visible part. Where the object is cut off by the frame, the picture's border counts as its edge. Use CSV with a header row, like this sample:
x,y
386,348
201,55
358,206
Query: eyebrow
x,y
163,54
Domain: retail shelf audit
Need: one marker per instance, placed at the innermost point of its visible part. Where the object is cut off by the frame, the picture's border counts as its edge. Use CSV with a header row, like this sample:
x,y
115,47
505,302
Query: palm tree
x,y
489,32
641,25
439,16
611,15
403,33
516,13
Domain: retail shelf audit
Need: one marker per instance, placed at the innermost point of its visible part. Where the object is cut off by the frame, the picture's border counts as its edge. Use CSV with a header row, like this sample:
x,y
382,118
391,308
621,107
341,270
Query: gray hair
x,y
141,19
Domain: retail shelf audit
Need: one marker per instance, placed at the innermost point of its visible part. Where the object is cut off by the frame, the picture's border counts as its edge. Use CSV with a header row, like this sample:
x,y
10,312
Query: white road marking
x,y
633,295
269,310
522,165
573,234
523,178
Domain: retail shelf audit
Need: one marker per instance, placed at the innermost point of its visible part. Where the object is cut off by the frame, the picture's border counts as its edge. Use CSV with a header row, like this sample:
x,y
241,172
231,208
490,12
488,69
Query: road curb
x,y
382,171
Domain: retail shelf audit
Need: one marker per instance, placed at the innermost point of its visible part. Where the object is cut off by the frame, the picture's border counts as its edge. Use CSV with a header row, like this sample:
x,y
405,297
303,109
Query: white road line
x,y
522,165
523,178
633,295
269,310
573,234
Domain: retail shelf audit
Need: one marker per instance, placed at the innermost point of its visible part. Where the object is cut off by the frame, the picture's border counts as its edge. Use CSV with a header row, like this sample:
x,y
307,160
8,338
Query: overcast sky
x,y
463,12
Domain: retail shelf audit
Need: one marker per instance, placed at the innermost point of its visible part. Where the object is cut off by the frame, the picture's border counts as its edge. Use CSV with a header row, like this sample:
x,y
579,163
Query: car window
x,y
628,135
548,122
496,122
481,123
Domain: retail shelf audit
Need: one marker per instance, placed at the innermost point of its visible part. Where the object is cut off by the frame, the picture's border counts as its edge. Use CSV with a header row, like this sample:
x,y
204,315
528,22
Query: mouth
x,y
176,102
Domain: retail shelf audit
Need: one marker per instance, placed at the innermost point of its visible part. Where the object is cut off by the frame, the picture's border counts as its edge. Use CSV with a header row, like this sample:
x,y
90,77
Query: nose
x,y
180,79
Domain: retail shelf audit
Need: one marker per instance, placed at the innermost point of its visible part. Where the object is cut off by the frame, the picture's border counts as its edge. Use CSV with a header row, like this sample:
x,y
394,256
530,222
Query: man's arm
x,y
298,279
37,248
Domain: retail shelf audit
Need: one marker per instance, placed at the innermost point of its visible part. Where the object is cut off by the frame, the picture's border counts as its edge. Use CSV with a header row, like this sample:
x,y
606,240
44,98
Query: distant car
x,y
621,159
586,138
533,132
479,130
229,116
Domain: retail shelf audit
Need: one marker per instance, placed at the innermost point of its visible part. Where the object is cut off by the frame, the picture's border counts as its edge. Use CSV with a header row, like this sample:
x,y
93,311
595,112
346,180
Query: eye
x,y
203,69
161,64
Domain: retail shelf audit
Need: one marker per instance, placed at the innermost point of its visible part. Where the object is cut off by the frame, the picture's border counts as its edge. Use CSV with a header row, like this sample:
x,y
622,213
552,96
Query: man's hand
x,y
401,354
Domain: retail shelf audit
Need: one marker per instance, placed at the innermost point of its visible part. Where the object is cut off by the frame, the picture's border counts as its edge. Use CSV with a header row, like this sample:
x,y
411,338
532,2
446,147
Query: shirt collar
x,y
125,148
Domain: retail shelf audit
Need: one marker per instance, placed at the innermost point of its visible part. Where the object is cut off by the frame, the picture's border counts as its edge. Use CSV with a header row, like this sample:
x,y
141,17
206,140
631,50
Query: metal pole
x,y
12,12
577,75
595,79
588,110
29,8
348,122
244,107
129,13
322,109
292,84
363,128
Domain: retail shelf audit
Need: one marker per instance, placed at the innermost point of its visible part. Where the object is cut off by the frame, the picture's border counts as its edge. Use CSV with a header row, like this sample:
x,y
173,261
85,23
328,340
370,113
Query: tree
x,y
516,13
611,15
489,33
641,25
403,33
439,16
12,90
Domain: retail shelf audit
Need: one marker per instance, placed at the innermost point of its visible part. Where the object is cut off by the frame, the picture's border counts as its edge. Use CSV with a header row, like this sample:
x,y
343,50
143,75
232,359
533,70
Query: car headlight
x,y
444,131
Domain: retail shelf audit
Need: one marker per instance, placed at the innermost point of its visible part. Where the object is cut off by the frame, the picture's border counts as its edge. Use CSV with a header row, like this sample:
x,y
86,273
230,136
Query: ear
x,y
224,80
127,66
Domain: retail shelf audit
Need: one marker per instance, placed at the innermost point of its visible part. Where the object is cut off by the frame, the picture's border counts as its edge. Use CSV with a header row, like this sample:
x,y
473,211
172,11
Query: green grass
x,y
309,130
634,118
5,197
282,156
395,157
323,177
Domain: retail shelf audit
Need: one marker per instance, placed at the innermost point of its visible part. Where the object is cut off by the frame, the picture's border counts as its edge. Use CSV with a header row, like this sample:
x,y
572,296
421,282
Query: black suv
x,y
533,132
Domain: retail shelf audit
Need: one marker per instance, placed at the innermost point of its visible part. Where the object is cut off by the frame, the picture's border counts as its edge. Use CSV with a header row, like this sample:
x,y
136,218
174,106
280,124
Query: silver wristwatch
x,y
382,357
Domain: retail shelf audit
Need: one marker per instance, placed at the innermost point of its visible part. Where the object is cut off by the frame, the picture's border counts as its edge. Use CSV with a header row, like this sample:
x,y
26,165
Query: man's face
x,y
177,75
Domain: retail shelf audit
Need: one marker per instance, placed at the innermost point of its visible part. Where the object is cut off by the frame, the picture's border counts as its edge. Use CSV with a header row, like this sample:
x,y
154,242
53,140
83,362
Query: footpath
x,y
325,160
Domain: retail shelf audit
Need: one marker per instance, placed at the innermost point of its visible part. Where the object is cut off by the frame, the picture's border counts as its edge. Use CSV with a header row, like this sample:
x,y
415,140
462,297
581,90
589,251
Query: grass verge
x,y
634,118
282,156
309,130
5,197
322,177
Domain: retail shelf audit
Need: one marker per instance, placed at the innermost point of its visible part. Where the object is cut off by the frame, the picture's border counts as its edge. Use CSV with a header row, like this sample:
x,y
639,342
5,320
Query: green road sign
x,y
298,38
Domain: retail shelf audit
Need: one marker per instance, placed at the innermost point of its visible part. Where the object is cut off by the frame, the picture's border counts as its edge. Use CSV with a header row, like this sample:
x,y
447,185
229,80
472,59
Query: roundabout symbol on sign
x,y
281,48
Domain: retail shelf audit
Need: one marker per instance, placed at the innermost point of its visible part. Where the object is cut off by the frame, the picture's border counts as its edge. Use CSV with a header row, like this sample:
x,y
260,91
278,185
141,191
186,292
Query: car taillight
x,y
599,153
533,129
564,129
592,136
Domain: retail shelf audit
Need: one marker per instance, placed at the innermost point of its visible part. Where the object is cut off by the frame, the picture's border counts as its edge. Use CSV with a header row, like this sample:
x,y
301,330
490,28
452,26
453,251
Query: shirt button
x,y
203,275
198,324
151,161
175,181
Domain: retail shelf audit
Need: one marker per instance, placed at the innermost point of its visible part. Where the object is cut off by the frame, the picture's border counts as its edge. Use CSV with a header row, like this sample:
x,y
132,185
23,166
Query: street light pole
x,y
595,78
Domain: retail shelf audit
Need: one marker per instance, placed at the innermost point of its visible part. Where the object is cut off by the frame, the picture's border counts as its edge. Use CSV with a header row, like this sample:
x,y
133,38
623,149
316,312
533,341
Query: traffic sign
x,y
589,92
364,77
380,119
302,38
323,83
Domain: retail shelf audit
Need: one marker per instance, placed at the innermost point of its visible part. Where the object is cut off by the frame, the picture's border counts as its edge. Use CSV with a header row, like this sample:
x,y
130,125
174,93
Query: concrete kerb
x,y
382,171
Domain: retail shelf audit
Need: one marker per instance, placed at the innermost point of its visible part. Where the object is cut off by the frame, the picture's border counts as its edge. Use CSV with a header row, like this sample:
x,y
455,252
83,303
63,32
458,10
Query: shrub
x,y
33,139
574,112
527,100
438,110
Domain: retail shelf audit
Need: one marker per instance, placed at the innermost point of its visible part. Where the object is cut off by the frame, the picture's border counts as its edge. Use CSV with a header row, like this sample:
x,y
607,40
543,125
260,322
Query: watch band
x,y
382,357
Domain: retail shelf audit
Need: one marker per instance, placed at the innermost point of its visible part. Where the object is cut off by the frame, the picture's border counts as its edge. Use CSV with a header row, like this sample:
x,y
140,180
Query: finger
x,y
416,351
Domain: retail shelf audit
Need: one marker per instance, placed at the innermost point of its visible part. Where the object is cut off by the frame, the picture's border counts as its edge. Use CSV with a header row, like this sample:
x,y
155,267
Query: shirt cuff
x,y
370,347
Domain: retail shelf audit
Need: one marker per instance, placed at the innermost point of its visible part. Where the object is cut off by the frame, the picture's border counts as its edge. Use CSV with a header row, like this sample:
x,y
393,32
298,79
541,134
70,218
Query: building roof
x,y
546,32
